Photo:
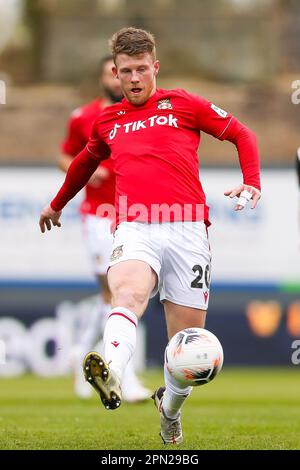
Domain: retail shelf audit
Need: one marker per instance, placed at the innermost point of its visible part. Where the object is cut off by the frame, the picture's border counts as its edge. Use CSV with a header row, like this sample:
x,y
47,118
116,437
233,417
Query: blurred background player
x,y
97,230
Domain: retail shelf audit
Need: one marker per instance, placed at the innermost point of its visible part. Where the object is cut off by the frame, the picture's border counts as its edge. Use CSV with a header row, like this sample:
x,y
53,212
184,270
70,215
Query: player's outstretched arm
x,y
79,172
245,193
48,217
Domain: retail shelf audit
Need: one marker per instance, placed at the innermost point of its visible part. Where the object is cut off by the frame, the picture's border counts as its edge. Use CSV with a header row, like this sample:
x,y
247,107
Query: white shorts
x,y
99,239
178,252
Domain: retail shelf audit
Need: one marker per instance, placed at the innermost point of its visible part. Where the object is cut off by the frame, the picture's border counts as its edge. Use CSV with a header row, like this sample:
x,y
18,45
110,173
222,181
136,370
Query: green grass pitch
x,y
240,409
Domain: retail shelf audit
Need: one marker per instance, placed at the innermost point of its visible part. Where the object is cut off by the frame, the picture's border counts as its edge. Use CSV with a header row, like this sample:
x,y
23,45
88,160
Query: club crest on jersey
x,y
117,253
164,104
121,113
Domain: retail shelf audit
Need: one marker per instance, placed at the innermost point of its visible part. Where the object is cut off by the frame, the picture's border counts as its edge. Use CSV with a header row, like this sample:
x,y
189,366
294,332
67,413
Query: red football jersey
x,y
154,149
79,129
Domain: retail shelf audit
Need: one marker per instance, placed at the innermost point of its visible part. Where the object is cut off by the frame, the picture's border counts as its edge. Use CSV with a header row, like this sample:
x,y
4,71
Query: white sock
x,y
174,395
119,339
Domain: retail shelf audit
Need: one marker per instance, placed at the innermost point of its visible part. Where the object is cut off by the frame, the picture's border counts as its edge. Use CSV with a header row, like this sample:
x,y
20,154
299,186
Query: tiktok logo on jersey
x,y
168,120
113,132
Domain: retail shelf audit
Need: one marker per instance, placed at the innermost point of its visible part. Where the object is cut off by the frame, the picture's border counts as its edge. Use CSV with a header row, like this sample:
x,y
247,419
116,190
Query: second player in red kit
x,y
79,130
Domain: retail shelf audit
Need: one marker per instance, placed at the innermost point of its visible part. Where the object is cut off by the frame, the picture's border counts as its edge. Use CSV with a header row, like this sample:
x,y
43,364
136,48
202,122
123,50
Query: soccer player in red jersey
x,y
99,190
160,242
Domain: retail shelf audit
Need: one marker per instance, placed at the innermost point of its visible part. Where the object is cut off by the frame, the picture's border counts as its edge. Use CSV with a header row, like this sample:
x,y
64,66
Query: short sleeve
x,y
210,118
96,146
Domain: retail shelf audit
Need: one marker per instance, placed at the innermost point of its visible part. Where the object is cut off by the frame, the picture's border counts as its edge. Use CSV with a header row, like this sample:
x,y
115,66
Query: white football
x,y
194,356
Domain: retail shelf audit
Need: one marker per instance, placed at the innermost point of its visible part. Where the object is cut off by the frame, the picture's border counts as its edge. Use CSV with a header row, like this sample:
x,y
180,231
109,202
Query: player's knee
x,y
133,298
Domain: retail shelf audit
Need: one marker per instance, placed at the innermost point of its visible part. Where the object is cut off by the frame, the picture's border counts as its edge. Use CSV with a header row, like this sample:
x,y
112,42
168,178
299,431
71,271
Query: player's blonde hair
x,y
132,41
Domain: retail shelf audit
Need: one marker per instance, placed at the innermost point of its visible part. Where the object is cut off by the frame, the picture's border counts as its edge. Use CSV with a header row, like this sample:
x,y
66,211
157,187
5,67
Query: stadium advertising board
x,y
260,246
45,280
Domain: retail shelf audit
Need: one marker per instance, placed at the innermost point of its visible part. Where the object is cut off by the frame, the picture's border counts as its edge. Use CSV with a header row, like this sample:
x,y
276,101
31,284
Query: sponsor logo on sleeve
x,y
219,111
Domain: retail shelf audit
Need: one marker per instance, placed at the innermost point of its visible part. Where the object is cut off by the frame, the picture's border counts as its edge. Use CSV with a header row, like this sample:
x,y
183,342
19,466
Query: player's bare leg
x,y
169,399
131,283
179,317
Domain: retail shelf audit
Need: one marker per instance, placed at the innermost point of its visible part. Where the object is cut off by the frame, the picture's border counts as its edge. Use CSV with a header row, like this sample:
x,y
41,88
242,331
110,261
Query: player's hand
x,y
245,193
48,216
100,174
